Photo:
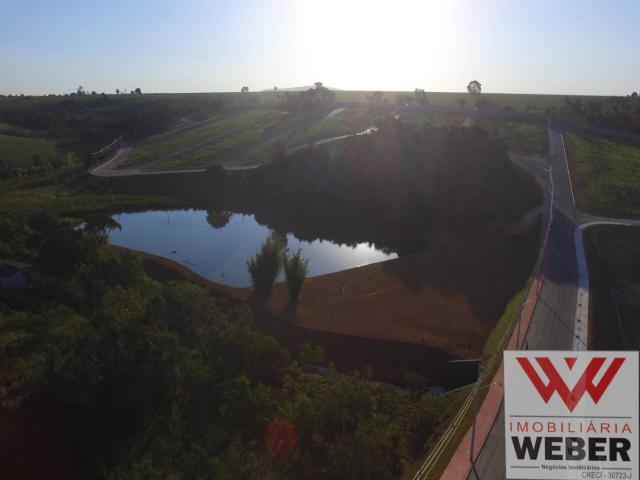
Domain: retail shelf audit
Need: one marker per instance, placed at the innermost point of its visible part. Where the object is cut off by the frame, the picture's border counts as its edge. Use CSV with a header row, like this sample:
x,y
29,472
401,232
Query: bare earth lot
x,y
446,298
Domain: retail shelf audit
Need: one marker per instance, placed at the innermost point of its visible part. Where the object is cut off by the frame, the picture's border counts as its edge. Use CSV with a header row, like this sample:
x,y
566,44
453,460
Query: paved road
x,y
109,168
552,326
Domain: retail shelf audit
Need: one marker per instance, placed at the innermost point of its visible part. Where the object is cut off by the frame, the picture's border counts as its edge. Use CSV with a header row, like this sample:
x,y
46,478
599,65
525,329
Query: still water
x,y
221,254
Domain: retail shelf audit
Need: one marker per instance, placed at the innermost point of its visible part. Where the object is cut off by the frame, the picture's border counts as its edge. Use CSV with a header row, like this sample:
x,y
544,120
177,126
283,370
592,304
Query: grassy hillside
x,y
19,151
344,122
605,175
524,137
87,123
201,144
25,152
614,270
83,124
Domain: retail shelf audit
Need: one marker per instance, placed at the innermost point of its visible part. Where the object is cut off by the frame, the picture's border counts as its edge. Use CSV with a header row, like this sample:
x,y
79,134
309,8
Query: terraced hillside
x,y
203,144
236,138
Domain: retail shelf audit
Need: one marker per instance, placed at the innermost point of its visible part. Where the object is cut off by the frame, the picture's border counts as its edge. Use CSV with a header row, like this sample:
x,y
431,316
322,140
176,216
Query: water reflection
x,y
221,253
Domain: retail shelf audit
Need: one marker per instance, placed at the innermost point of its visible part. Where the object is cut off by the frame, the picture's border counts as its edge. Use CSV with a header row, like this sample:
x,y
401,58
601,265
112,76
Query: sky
x,y
589,47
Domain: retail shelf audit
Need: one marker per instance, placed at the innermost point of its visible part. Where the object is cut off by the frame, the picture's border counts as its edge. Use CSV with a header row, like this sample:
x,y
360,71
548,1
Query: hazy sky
x,y
555,46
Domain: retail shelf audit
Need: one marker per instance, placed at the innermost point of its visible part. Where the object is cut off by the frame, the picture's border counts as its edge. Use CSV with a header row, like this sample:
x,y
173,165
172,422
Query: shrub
x,y
312,355
266,265
295,270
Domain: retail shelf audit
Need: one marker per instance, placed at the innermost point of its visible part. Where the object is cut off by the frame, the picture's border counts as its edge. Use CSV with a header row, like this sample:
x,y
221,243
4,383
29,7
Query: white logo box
x,y
571,415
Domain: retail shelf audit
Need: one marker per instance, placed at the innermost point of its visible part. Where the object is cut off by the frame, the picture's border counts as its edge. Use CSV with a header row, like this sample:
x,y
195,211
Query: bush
x,y
312,355
295,270
266,265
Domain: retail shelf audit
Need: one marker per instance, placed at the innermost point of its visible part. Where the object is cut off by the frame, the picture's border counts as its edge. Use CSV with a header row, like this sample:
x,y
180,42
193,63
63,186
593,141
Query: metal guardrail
x,y
108,149
488,363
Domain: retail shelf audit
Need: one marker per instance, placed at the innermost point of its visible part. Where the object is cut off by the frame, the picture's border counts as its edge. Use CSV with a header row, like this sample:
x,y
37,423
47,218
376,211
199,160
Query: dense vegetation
x,y
615,113
86,123
606,175
312,100
107,373
117,375
389,187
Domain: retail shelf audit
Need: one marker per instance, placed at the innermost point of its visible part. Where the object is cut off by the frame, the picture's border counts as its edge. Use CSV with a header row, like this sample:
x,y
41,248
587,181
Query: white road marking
x,y
566,163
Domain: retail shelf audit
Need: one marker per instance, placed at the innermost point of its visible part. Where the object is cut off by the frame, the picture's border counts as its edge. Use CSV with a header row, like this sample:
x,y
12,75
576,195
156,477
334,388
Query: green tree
x,y
67,247
312,355
218,218
474,87
295,270
101,223
266,265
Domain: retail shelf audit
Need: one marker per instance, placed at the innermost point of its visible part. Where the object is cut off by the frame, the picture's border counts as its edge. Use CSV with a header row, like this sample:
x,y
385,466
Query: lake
x,y
221,254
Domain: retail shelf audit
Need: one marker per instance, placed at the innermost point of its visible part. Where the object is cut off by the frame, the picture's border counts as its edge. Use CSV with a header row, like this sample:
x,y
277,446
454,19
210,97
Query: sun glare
x,y
370,43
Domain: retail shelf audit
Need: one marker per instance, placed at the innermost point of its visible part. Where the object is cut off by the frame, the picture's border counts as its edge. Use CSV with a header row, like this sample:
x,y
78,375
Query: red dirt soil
x,y
446,298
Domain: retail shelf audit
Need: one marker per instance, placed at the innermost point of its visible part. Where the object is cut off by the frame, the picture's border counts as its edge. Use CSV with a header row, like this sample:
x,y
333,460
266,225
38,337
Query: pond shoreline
x,y
217,244
347,352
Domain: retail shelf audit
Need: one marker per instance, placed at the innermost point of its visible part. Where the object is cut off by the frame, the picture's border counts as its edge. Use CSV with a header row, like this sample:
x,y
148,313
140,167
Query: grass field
x,y
18,198
220,151
209,139
524,137
352,120
247,134
436,118
18,151
7,129
605,175
613,253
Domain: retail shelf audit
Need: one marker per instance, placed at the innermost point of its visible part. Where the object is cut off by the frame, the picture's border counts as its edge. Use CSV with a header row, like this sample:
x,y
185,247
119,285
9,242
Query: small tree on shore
x,y
295,270
266,265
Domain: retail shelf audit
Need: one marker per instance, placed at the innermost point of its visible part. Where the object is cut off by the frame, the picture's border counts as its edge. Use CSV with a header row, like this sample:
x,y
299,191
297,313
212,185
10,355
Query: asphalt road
x,y
552,324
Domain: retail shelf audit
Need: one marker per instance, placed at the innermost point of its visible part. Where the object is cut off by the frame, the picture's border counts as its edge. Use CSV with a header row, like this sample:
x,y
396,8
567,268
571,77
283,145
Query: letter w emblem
x,y
584,384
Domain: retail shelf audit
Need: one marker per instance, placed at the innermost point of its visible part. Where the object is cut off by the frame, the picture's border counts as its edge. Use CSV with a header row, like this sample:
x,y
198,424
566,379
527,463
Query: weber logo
x,y
571,415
